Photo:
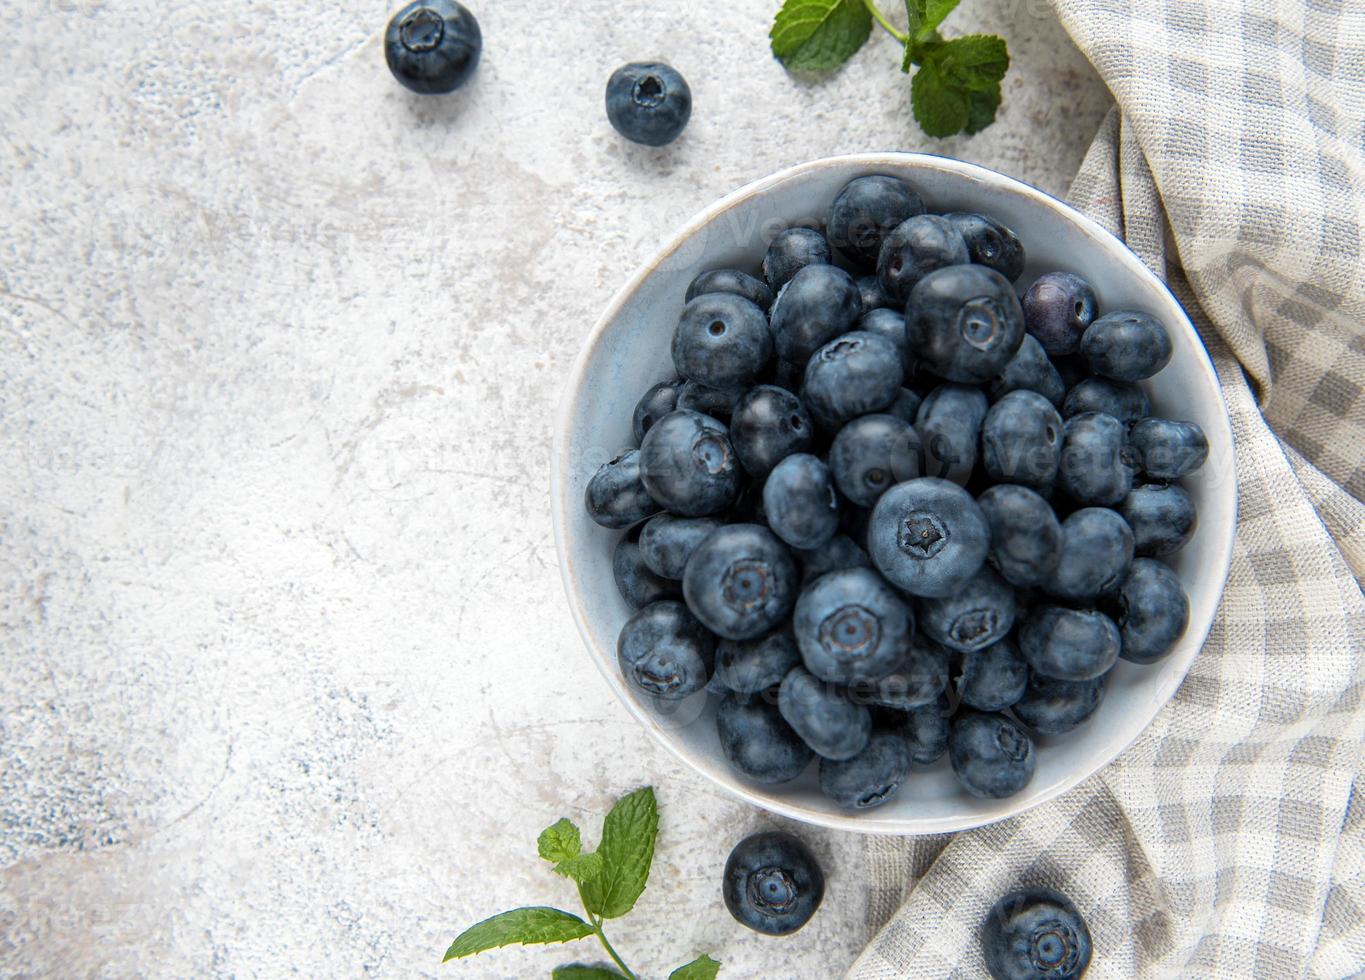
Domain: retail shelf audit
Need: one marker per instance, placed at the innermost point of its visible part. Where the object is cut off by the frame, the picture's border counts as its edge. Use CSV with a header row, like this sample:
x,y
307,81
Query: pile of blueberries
x,y
888,509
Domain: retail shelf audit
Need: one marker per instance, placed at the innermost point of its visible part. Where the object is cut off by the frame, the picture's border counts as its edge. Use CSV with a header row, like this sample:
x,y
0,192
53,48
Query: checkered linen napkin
x,y
1227,841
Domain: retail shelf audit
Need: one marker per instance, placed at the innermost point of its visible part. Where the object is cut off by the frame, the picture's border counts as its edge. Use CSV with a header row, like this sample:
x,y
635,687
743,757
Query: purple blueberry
x,y
1057,309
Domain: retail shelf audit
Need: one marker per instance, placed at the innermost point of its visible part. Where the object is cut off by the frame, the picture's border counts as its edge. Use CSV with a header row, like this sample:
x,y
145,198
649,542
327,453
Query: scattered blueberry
x,y
870,293
822,714
1153,612
949,425
1162,517
664,651
871,777
433,46
773,883
719,403
817,304
753,666
799,501
928,536
964,323
1096,464
1068,644
1026,537
978,613
667,542
653,405
1168,450
757,742
993,679
853,375
990,243
722,340
1058,308
1035,933
688,465
1127,345
1021,440
768,425
791,251
648,102
1125,402
741,581
851,626
1054,707
866,211
838,552
913,249
616,496
992,757
734,281
636,581
1097,551
871,454
1029,370
891,325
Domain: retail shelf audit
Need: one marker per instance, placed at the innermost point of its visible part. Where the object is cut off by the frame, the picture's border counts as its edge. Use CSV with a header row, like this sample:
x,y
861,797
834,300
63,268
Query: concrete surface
x,y
289,684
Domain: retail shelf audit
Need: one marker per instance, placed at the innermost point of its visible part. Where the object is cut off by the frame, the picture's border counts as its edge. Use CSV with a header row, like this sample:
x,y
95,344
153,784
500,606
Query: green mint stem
x,y
606,944
880,18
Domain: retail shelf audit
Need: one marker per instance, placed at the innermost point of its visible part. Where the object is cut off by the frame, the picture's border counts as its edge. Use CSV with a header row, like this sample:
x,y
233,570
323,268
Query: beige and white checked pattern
x,y
1227,842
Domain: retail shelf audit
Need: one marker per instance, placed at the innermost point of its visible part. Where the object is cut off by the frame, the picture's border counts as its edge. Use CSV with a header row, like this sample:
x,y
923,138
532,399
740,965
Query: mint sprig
x,y
610,880
956,83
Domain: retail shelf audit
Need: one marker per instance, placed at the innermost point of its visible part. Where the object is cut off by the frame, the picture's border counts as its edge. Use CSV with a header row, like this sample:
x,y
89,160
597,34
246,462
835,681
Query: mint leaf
x,y
577,971
957,86
940,109
627,850
981,108
816,35
581,868
528,926
702,968
559,841
977,61
926,15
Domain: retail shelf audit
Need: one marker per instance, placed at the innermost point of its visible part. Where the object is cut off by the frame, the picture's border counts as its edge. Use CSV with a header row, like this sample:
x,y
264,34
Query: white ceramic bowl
x,y
628,350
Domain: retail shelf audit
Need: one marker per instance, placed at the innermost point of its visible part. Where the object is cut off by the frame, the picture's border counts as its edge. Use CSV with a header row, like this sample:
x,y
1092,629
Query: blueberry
x,y
688,465
1168,450
866,211
748,509
918,679
964,323
753,666
992,757
978,613
757,742
666,542
719,403
768,425
1029,370
817,304
925,730
853,375
1055,707
1071,367
1096,464
1126,402
949,425
773,884
741,581
616,496
648,102
653,405
870,293
1162,517
433,46
1097,551
799,501
891,325
1026,537
1068,644
637,583
1057,309
791,251
756,291
928,536
992,679
1153,612
664,651
788,375
1127,345
871,454
851,626
1021,440
990,243
722,341
905,407
871,777
1035,933
822,714
838,552
915,248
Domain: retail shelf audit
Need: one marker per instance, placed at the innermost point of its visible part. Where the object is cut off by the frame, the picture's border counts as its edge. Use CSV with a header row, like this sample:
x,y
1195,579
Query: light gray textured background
x,y
289,682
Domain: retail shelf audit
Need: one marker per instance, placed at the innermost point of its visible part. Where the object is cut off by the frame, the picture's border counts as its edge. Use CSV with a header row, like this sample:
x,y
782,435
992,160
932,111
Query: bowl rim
x,y
573,386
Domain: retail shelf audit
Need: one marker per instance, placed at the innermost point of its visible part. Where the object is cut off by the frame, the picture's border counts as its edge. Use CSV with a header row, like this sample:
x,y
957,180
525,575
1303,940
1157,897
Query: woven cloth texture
x,y
1227,841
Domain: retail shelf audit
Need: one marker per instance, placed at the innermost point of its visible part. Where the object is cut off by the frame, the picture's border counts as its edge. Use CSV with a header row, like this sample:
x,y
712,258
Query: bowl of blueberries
x,y
893,494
